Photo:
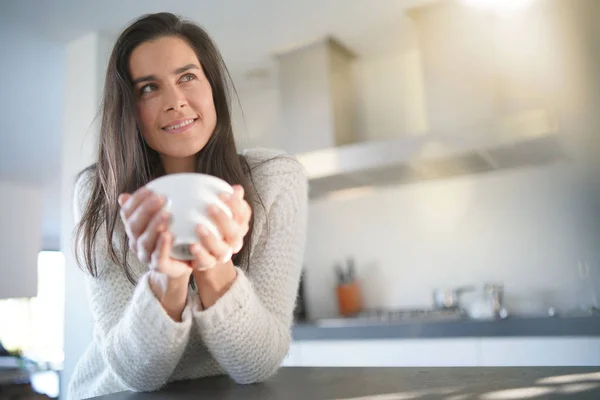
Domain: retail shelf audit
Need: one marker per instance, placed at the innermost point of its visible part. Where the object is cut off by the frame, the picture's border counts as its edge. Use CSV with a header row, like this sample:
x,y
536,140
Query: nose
x,y
174,99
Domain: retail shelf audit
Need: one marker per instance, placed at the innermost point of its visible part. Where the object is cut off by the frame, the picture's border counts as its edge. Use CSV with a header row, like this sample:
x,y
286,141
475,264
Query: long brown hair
x,y
126,162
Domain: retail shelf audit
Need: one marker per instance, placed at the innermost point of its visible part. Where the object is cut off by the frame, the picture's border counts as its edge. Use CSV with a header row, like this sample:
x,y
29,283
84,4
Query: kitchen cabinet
x,y
294,356
540,351
460,352
383,353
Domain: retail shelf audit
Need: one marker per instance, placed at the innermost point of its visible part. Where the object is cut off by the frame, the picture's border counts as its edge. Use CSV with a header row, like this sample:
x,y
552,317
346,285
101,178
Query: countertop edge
x,y
510,327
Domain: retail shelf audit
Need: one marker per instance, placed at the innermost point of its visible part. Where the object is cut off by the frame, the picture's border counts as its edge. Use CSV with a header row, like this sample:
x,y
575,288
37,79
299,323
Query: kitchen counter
x,y
391,383
510,327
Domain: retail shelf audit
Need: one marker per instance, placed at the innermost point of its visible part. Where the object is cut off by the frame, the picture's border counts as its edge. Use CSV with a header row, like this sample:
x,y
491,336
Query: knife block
x,y
349,298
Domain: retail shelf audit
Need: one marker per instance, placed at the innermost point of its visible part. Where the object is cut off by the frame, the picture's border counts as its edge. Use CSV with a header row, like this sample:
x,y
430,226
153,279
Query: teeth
x,y
181,125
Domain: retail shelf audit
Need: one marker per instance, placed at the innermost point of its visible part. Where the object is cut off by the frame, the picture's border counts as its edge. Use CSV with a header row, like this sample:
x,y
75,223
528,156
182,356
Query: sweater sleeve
x,y
248,330
139,343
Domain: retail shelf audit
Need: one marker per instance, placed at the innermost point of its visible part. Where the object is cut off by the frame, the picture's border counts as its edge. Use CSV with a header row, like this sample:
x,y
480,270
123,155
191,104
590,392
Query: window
x,y
36,325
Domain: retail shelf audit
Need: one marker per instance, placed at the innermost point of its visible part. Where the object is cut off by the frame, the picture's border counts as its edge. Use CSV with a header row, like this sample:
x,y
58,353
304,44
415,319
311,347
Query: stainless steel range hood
x,y
318,105
427,157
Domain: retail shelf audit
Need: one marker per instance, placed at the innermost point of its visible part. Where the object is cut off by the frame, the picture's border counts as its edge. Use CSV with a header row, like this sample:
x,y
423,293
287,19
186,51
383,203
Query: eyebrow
x,y
178,71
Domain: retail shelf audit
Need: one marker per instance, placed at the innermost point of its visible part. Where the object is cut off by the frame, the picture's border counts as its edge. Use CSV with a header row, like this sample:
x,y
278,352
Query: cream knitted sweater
x,y
246,334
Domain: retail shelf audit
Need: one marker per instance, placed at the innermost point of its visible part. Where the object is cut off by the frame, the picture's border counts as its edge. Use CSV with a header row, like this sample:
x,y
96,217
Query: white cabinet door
x,y
540,351
294,355
389,353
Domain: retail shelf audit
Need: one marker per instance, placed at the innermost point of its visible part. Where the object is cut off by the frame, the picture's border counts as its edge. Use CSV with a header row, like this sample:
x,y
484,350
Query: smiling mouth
x,y
181,126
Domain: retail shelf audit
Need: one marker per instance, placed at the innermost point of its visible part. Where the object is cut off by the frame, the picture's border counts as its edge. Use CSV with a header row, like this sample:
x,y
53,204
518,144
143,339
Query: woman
x,y
157,320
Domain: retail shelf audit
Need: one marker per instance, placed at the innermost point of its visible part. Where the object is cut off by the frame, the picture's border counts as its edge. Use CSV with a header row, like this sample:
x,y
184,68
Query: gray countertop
x,y
392,383
512,326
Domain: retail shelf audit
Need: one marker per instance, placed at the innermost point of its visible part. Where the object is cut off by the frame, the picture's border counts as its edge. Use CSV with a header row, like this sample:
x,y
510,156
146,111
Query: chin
x,y
183,150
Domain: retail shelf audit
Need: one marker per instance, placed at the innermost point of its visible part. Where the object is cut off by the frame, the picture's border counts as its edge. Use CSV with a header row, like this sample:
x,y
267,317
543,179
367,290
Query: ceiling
x,y
247,32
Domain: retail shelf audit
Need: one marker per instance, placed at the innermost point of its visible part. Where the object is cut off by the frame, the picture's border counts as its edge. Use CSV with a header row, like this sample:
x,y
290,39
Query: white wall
x,y
524,228
255,117
31,78
20,239
85,65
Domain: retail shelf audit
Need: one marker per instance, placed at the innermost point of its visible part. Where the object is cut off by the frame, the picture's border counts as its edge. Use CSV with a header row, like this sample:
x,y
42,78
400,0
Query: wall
x,y
85,68
30,108
20,239
525,228
30,122
255,111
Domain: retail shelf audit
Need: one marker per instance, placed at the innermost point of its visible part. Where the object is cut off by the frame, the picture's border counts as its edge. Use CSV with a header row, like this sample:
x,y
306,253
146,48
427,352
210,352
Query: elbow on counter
x,y
144,387
143,377
108,383
140,383
265,365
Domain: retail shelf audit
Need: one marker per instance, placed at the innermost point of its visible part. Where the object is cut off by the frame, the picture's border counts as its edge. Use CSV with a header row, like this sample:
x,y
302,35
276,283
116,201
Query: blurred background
x,y
451,148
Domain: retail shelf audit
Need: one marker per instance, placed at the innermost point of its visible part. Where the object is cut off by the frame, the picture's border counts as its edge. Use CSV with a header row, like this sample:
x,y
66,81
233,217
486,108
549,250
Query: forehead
x,y
161,57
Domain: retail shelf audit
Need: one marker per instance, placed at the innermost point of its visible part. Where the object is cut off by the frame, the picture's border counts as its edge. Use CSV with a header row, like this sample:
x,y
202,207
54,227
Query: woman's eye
x,y
147,88
188,77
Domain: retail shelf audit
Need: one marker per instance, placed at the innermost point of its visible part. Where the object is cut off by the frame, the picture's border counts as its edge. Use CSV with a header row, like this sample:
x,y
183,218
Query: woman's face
x,y
175,108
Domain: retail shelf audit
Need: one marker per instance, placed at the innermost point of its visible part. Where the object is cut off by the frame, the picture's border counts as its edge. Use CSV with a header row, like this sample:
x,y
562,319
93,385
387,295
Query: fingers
x,y
129,202
162,262
238,191
233,229
162,252
232,232
239,207
204,260
123,199
216,247
147,242
140,218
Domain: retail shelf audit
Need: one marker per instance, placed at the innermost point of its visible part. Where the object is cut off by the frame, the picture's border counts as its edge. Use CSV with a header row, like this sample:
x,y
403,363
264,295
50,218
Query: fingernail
x,y
202,230
226,196
120,199
227,256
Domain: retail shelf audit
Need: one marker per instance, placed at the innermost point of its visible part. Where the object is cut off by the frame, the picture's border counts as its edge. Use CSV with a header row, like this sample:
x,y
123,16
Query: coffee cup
x,y
188,196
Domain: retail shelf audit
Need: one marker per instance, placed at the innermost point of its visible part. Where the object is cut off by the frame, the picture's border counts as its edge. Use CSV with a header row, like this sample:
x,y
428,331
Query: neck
x,y
177,165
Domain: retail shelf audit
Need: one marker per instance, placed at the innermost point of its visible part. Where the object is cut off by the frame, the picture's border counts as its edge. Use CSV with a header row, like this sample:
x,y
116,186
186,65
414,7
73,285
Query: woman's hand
x,y
146,226
215,250
212,283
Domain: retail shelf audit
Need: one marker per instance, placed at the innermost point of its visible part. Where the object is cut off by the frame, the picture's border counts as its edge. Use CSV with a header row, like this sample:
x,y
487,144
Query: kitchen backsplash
x,y
526,229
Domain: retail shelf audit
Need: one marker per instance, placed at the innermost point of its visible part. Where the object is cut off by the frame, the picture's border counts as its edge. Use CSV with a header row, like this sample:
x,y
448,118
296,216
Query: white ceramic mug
x,y
188,196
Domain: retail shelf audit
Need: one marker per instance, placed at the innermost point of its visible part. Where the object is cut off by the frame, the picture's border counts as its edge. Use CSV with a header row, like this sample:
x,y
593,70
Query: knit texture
x,y
245,334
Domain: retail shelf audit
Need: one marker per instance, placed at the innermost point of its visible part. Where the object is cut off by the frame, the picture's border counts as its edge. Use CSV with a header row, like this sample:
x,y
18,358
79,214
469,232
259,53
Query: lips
x,y
179,124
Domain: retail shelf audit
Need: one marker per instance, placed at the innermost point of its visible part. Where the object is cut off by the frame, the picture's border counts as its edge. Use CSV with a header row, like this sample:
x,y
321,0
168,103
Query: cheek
x,y
146,116
202,100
